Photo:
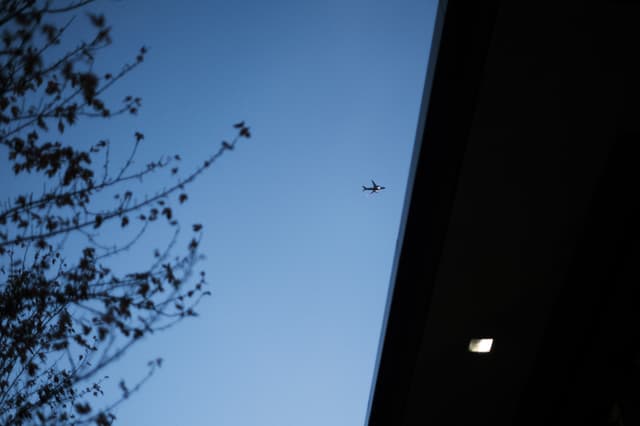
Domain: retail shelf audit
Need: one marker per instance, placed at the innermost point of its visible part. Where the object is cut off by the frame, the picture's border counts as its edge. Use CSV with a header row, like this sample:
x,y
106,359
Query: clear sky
x,y
298,258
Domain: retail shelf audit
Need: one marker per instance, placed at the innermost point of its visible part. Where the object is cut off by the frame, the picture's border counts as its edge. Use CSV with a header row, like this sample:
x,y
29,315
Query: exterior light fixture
x,y
480,345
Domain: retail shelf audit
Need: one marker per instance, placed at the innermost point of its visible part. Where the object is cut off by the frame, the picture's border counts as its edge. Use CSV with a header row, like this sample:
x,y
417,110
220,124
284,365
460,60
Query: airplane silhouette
x,y
374,188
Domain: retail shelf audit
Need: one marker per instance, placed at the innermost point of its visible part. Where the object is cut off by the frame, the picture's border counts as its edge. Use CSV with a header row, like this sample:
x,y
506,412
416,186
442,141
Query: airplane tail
x,y
364,188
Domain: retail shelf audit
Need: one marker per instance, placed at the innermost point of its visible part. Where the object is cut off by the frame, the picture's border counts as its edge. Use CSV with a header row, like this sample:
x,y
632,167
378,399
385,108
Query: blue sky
x,y
297,257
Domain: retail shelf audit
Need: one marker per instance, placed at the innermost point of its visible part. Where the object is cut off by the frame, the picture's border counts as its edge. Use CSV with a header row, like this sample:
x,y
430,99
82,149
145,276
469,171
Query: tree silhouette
x,y
65,317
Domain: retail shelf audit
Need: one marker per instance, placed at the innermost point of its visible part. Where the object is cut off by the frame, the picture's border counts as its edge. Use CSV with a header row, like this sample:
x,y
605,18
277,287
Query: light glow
x,y
480,345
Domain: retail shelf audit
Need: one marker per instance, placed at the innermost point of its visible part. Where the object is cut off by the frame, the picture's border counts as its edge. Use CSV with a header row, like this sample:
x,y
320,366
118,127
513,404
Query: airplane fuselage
x,y
373,188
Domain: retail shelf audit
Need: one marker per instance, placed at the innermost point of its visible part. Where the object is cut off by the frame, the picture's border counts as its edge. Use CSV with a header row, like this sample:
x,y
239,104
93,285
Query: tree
x,y
63,319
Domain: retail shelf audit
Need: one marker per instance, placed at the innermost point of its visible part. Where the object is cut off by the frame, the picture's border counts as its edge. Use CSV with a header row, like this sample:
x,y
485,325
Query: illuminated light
x,y
480,345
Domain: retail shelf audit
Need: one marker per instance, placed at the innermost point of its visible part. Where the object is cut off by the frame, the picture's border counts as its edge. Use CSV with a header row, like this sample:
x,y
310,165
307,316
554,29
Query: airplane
x,y
374,188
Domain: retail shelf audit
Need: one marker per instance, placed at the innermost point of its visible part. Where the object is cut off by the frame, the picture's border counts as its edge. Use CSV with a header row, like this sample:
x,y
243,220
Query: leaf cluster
x,y
65,317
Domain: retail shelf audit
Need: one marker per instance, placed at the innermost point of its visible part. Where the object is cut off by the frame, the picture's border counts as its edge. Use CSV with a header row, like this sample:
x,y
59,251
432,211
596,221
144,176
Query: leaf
x,y
143,289
97,20
197,227
32,368
125,221
60,126
139,136
89,86
42,124
52,87
83,408
102,333
244,132
239,125
124,389
183,198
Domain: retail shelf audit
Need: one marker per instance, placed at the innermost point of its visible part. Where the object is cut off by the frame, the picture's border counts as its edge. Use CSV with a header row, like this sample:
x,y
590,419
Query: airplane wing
x,y
374,184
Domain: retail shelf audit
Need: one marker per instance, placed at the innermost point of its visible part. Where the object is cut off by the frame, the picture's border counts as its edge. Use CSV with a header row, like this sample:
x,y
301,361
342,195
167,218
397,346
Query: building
x,y
521,223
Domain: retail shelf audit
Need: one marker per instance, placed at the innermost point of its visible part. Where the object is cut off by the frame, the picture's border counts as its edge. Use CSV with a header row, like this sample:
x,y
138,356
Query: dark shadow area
x,y
521,225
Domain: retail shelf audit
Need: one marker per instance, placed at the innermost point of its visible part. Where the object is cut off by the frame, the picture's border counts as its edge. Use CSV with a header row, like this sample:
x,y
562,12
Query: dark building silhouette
x,y
521,223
